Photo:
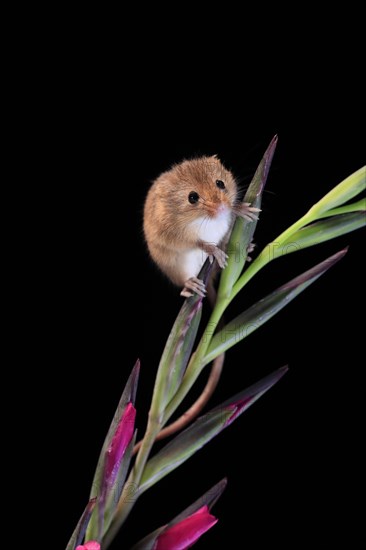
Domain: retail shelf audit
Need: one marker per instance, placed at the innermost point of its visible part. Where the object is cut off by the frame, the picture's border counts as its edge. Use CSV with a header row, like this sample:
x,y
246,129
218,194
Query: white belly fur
x,y
210,230
192,261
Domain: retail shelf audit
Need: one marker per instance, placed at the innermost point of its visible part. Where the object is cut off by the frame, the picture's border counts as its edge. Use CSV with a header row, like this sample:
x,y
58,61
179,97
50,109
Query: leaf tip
x,y
282,370
137,365
338,256
215,492
267,158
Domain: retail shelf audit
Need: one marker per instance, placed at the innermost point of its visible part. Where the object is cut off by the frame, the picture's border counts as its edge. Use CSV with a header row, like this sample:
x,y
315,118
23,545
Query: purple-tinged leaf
x,y
256,188
79,533
258,314
242,400
188,442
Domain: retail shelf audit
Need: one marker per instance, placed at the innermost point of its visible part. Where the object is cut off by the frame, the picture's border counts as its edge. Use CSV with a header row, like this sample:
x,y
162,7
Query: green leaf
x,y
321,231
128,396
78,534
178,349
208,499
188,442
359,206
330,205
258,314
343,192
243,230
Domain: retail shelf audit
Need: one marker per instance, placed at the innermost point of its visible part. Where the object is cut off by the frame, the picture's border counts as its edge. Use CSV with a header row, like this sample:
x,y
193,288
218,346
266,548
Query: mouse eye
x,y
220,184
193,197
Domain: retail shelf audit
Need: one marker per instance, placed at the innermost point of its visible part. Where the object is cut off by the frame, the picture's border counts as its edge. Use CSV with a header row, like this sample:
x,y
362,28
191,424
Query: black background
x,y
293,460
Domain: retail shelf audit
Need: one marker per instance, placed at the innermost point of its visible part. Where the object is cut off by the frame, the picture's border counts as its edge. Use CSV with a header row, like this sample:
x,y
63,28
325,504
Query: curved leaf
x,y
321,231
258,314
184,445
343,192
357,206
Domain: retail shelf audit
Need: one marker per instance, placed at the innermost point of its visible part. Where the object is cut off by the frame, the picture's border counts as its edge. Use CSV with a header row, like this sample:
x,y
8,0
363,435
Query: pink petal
x,y
91,545
119,443
184,534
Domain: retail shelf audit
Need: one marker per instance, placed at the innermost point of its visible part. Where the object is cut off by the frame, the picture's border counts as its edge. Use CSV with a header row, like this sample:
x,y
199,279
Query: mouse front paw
x,y
247,212
214,251
221,257
194,286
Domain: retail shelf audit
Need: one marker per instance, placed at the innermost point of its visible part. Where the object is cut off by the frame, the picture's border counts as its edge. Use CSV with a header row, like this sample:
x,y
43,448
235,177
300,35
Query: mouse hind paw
x,y
194,286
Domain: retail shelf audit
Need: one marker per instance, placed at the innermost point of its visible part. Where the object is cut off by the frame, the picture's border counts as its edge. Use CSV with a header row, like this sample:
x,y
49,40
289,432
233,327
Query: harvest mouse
x,y
188,215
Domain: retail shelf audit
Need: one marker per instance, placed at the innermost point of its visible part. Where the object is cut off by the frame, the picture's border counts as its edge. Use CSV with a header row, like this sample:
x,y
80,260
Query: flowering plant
x,y
127,469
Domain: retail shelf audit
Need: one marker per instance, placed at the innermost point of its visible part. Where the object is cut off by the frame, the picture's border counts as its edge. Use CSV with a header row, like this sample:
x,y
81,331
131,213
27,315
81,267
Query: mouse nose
x,y
220,209
215,208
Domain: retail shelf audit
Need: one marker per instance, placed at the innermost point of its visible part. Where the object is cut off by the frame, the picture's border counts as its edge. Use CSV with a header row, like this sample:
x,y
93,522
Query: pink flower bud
x,y
119,444
91,545
184,534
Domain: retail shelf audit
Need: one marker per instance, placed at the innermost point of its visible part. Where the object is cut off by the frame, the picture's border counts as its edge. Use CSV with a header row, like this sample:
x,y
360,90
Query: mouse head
x,y
201,186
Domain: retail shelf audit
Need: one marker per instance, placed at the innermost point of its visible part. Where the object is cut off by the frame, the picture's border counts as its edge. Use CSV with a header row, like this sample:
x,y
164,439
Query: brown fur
x,y
168,213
